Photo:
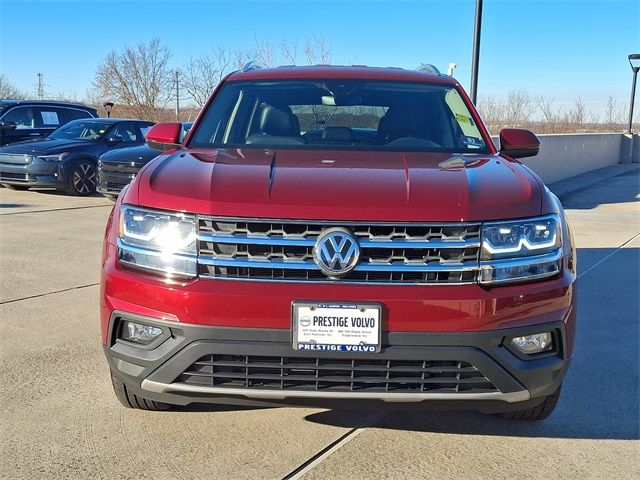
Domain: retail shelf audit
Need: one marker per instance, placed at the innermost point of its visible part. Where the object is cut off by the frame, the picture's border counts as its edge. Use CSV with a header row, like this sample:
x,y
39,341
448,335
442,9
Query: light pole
x,y
177,80
476,52
634,61
108,106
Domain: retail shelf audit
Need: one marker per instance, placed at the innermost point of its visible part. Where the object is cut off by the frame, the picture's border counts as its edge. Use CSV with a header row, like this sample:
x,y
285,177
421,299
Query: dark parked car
x,y
68,158
28,119
117,168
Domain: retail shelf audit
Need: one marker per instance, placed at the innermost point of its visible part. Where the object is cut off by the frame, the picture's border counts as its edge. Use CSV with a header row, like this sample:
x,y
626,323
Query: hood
x,y
340,185
44,146
138,155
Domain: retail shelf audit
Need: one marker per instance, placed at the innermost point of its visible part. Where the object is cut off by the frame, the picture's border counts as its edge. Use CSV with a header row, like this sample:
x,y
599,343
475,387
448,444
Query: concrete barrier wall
x,y
566,155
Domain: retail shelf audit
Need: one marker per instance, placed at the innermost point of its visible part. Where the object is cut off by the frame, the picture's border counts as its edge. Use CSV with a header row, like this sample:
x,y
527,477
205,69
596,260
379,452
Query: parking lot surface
x,y
59,418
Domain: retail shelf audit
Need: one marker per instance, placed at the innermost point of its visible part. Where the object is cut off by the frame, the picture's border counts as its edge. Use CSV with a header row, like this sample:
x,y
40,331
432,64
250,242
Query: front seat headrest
x,y
279,121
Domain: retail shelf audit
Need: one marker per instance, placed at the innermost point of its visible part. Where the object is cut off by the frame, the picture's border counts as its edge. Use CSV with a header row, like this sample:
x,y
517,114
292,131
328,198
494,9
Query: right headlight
x,y
521,250
158,241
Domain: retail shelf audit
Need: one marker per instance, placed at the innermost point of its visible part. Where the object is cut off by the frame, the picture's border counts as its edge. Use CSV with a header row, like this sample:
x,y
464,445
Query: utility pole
x,y
476,52
40,86
177,74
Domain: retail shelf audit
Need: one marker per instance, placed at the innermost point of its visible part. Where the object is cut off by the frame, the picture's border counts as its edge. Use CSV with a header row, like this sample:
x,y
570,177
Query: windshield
x,y
339,114
81,130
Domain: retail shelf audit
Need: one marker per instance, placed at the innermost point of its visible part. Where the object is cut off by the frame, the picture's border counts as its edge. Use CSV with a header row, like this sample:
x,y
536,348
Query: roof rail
x,y
252,65
429,68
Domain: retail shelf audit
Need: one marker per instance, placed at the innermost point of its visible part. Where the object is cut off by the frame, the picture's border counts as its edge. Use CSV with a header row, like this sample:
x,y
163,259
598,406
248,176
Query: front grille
x,y
336,374
15,159
120,168
396,254
15,177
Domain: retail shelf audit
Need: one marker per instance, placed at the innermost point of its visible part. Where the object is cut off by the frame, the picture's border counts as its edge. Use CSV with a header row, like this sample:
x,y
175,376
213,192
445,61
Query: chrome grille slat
x,y
282,250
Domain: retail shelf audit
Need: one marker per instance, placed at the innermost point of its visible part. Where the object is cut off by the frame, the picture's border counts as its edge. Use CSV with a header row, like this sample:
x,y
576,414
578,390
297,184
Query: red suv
x,y
339,236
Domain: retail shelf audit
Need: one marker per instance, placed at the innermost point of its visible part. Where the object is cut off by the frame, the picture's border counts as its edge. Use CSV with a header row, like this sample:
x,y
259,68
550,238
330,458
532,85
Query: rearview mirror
x,y
111,141
518,143
164,136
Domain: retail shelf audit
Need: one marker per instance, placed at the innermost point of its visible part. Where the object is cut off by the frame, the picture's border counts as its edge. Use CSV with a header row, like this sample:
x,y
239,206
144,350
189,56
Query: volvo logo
x,y
336,252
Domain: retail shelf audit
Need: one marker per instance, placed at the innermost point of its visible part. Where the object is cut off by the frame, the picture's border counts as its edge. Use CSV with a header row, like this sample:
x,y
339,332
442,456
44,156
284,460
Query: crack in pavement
x,y
54,210
332,447
607,257
49,293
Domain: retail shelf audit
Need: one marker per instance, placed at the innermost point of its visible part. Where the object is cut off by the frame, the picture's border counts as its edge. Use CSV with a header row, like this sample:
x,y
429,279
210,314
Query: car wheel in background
x,y
82,178
15,187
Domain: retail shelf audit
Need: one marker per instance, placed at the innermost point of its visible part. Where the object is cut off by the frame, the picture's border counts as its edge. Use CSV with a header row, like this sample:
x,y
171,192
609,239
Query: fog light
x,y
529,344
139,333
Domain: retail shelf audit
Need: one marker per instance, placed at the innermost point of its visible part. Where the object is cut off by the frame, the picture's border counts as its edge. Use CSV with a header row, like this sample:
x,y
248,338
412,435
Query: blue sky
x,y
561,49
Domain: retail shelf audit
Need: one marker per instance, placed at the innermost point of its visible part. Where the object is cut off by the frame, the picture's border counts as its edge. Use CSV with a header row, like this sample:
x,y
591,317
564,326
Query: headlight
x,y
54,158
163,242
521,250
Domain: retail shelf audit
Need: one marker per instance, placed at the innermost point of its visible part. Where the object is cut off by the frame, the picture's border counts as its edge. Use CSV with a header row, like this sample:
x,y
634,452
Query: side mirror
x,y
7,126
164,136
518,143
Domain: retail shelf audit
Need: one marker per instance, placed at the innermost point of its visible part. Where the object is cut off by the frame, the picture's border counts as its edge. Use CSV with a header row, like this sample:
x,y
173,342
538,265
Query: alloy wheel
x,y
84,178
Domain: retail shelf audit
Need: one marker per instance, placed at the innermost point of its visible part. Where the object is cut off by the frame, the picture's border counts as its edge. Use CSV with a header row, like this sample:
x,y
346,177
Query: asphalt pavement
x,y
59,418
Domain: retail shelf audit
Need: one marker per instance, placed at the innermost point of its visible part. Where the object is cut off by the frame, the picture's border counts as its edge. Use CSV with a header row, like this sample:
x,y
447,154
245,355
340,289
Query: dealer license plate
x,y
337,327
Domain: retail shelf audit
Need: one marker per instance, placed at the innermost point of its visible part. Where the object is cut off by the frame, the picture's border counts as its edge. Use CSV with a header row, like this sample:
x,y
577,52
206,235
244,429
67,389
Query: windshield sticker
x,y
462,118
473,142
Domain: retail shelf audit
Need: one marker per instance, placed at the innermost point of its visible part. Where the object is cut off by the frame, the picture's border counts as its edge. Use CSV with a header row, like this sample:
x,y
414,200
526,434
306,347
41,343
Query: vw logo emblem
x,y
336,252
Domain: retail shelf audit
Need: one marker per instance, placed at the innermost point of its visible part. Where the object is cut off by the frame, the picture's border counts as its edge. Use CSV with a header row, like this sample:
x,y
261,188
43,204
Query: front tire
x,y
131,400
82,178
539,412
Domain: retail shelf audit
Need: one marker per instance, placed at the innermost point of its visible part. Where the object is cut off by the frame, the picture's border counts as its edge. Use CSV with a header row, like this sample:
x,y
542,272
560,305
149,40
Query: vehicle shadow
x,y
600,395
624,188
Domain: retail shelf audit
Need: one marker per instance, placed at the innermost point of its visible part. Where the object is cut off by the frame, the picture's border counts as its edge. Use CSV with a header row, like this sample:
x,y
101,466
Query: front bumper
x,y
157,372
38,173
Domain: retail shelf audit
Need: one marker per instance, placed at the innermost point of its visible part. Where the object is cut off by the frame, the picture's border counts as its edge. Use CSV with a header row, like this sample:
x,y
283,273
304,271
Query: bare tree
x,y
578,114
317,50
201,75
613,115
519,107
491,110
138,77
9,90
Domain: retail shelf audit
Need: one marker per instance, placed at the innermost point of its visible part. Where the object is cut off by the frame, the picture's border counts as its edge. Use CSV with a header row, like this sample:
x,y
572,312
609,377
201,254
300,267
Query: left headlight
x,y
521,250
161,242
54,158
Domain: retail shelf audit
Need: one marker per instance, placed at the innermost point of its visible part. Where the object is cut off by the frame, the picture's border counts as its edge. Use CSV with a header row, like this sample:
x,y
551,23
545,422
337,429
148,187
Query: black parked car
x,y
28,119
118,167
67,159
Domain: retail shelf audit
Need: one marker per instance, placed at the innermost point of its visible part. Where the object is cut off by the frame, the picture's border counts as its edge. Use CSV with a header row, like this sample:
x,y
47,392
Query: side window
x,y
74,114
127,132
144,130
23,117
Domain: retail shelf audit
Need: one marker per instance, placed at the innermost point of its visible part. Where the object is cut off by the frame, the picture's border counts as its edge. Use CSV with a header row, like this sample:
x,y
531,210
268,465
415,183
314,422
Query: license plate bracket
x,y
336,326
